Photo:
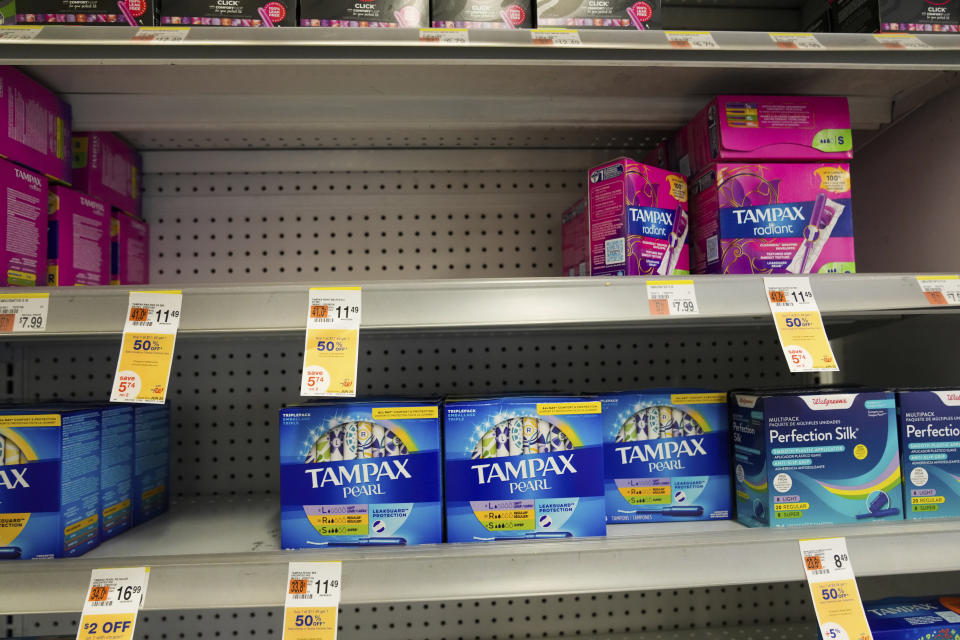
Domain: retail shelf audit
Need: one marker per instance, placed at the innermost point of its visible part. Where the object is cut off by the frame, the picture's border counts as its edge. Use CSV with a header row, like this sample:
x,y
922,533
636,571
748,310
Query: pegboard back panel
x,y
225,392
348,226
591,615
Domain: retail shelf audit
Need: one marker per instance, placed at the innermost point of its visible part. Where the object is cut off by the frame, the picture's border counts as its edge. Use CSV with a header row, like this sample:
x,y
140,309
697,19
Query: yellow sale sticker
x,y
799,325
332,343
146,351
833,587
312,597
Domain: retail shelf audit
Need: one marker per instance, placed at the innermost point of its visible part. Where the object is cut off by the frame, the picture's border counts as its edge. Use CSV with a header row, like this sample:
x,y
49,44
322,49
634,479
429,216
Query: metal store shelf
x,y
223,552
478,304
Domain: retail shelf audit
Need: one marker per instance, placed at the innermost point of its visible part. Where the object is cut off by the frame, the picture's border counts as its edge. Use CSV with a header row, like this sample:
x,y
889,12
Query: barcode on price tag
x,y
672,298
556,37
445,36
161,35
900,41
940,290
24,312
691,40
796,41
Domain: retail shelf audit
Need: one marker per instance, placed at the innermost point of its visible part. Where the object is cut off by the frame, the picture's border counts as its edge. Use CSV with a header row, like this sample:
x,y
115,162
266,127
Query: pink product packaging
x,y
78,239
23,228
576,239
108,168
129,250
658,156
638,220
36,130
767,129
773,218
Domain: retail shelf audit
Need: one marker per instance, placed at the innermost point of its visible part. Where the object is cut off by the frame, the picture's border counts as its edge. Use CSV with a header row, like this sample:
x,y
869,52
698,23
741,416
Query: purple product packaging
x,y
23,227
659,156
365,13
638,220
129,250
142,13
773,218
106,167
928,16
767,129
229,13
78,239
576,239
481,14
642,15
36,131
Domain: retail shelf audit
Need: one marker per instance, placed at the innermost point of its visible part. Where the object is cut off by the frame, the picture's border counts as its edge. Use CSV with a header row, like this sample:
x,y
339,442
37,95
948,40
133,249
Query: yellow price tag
x,y
833,587
332,342
113,599
312,597
146,351
799,325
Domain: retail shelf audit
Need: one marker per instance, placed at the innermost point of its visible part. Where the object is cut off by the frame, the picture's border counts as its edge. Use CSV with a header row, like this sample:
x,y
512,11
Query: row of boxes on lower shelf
x,y
73,476
375,473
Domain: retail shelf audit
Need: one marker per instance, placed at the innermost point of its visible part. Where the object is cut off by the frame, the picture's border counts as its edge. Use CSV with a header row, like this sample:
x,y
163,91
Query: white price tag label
x,y
332,342
313,595
672,298
445,36
900,41
834,591
940,290
556,37
19,32
112,602
691,40
23,312
796,41
799,325
146,351
161,34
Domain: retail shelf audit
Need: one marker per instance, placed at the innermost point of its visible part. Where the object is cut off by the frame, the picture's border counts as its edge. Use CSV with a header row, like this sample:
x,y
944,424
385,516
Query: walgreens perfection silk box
x,y
638,220
642,15
78,239
360,474
365,13
482,14
106,167
666,456
36,130
773,218
930,450
804,458
767,129
23,233
523,468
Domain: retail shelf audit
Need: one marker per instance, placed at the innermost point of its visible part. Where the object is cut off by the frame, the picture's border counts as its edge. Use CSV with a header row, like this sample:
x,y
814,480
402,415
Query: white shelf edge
x,y
225,571
480,304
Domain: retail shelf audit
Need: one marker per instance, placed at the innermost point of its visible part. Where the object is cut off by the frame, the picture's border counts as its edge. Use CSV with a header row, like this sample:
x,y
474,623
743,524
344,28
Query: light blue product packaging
x,y
151,461
116,470
930,452
49,482
364,473
929,618
815,457
666,456
523,468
